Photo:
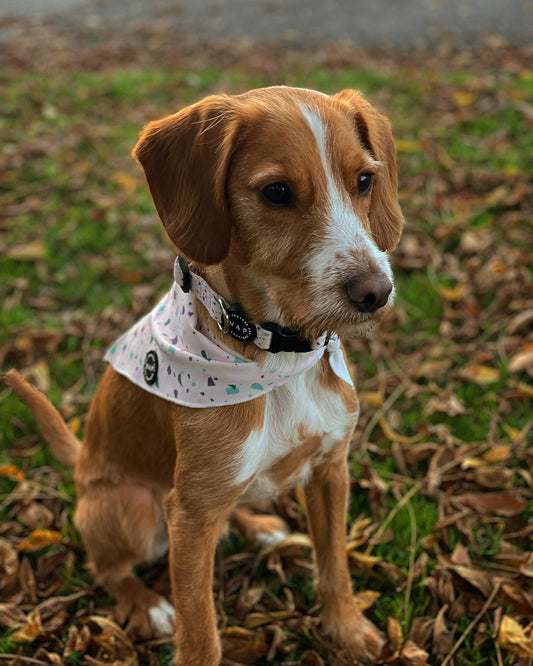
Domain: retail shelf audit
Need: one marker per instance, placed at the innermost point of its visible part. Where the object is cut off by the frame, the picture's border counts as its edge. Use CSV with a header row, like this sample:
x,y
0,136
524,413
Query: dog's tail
x,y
65,446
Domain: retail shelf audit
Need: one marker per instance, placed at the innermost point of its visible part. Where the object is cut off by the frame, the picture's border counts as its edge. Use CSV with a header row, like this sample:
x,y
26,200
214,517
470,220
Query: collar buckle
x,y
283,339
224,323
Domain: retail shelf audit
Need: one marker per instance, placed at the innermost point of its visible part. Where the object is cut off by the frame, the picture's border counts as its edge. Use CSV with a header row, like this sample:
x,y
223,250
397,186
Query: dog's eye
x,y
364,183
278,194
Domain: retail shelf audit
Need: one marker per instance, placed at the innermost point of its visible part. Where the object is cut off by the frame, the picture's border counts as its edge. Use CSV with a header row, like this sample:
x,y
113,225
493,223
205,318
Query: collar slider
x,y
185,282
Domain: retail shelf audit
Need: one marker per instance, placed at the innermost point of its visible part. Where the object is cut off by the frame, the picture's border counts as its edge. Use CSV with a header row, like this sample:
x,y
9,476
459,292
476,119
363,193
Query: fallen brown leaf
x,y
518,597
492,504
475,576
35,515
243,645
527,568
460,556
412,655
254,620
422,630
9,564
493,478
443,638
27,582
11,616
523,360
311,658
78,640
445,402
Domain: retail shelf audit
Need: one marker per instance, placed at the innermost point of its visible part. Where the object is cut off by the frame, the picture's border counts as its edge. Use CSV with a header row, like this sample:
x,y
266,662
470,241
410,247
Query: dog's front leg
x,y
194,525
326,498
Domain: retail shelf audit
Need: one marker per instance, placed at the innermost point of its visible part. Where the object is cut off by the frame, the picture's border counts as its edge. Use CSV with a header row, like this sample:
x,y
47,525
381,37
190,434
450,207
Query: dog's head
x,y
297,187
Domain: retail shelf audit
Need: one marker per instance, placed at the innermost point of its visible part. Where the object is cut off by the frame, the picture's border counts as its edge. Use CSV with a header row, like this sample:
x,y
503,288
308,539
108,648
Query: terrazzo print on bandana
x,y
166,353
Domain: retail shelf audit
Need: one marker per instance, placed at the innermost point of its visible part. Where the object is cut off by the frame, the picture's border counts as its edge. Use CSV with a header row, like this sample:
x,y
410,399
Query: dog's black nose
x,y
369,292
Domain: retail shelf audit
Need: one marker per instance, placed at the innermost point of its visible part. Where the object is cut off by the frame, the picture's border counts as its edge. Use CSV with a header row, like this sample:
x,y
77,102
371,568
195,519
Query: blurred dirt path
x,y
366,23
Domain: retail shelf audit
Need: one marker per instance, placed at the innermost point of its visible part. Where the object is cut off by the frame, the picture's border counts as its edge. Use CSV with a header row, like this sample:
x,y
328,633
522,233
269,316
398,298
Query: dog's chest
x,y
303,421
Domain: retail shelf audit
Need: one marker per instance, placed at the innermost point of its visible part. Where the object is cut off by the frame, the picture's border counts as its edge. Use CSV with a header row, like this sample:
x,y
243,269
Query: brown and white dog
x,y
285,201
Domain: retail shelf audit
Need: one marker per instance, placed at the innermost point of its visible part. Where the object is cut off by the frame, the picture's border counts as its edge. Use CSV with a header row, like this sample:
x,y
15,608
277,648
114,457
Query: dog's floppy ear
x,y
186,158
375,133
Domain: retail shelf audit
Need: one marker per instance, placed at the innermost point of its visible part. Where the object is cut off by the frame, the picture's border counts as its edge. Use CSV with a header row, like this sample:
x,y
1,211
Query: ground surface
x,y
364,22
440,520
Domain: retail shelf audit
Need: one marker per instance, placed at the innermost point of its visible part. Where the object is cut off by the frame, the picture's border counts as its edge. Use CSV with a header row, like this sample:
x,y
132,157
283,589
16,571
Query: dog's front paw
x,y
152,617
352,631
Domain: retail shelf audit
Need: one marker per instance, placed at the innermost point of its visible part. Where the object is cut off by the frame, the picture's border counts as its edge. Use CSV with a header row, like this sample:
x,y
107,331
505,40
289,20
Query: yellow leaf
x,y
524,388
394,436
472,463
365,599
27,251
125,181
445,159
358,526
293,541
511,169
497,195
30,630
12,472
464,98
453,294
299,494
480,374
40,539
40,374
513,433
353,544
512,637
362,560
497,454
74,424
498,267
372,398
254,620
406,146
395,634
432,369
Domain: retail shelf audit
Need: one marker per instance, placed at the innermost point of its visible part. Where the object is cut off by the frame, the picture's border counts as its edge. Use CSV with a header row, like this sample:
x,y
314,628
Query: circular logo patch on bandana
x,y
150,368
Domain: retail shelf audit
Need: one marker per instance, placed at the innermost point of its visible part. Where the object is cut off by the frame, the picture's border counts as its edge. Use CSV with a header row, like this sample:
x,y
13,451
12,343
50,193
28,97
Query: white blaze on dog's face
x,y
296,188
303,194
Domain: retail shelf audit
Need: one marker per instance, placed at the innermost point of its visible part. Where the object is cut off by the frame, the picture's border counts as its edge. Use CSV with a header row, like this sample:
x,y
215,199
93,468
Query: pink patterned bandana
x,y
167,353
